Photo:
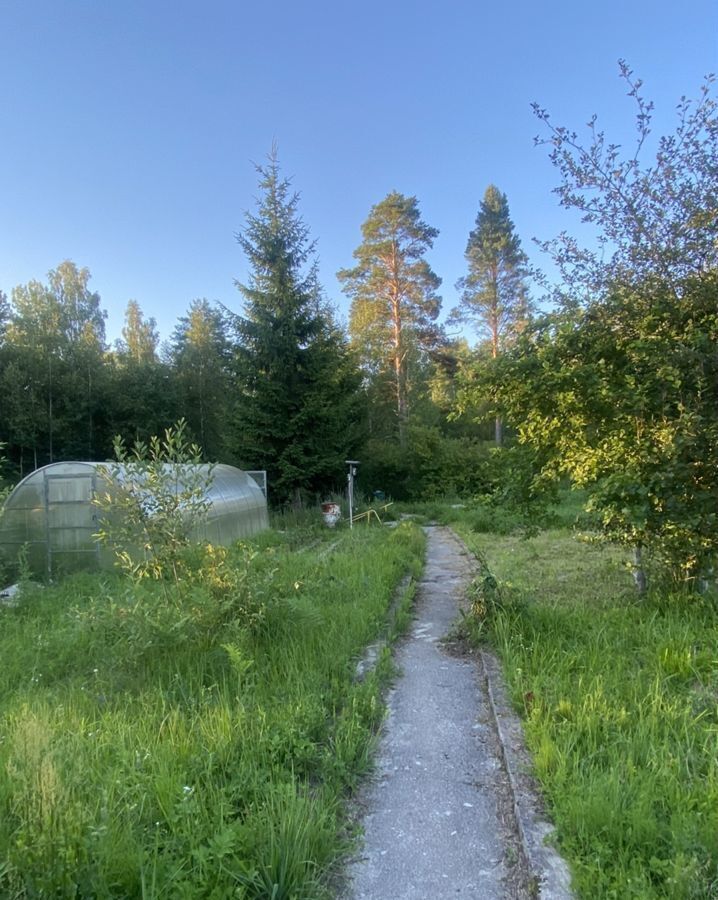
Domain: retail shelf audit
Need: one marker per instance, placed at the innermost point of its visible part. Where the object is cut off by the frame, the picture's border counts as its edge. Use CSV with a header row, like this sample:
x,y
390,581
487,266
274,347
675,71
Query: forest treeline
x,y
276,385
614,388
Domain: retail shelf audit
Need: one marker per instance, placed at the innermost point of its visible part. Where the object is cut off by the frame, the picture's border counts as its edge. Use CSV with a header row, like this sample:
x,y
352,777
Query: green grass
x,y
194,740
620,707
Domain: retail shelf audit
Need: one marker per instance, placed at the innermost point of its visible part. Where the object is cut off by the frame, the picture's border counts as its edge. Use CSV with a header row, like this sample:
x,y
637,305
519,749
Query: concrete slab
x,y
438,818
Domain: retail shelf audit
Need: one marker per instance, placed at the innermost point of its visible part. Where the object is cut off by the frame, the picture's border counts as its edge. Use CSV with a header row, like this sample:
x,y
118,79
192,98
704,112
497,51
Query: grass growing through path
x,y
195,742
620,702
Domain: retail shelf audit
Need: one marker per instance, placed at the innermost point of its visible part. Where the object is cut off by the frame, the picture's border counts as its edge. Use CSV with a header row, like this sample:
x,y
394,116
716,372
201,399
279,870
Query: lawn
x,y
619,698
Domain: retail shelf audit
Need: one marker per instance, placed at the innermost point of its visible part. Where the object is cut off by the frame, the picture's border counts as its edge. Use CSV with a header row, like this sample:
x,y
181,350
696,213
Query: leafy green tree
x,y
33,342
654,224
200,354
297,407
154,499
494,294
82,382
15,411
623,398
619,389
393,293
57,337
55,343
82,320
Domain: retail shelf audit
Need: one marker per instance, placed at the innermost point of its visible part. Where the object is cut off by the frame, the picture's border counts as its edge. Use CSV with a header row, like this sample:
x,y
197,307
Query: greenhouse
x,y
51,513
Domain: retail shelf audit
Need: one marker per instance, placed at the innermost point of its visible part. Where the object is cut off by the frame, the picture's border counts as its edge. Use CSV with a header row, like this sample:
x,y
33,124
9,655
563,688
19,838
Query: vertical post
x,y
46,485
352,463
638,572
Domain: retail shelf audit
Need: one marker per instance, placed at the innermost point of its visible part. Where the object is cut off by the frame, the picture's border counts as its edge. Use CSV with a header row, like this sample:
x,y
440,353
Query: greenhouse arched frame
x,y
51,515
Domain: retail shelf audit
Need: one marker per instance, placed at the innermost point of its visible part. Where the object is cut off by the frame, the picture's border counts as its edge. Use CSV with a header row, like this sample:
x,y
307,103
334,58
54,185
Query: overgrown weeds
x,y
196,742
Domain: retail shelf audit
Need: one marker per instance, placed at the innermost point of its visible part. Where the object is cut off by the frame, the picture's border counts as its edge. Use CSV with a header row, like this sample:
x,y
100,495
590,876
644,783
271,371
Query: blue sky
x,y
129,129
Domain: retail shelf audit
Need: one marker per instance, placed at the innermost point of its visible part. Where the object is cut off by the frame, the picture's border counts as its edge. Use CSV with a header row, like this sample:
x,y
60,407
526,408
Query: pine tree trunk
x,y
498,424
399,375
401,409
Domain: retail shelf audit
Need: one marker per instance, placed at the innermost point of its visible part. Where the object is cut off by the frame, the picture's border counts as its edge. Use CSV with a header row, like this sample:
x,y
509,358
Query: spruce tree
x,y
494,295
200,355
297,410
143,398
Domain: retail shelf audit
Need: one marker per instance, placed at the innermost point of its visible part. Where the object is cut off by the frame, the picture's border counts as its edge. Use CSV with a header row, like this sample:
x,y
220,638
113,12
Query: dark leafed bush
x,y
430,466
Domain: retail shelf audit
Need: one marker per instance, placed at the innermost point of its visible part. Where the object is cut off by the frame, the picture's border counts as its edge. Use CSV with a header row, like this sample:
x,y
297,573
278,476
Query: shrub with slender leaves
x,y
154,499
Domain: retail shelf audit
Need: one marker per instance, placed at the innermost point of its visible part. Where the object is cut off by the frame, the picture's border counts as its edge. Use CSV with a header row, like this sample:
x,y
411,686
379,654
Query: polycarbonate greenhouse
x,y
51,513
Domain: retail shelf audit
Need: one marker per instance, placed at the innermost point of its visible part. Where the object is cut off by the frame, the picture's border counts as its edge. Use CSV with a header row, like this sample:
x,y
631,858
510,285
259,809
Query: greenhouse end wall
x,y
51,518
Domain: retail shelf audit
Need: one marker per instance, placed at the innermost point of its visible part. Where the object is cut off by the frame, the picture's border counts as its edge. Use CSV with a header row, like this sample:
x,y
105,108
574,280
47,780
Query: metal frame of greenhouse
x,y
51,514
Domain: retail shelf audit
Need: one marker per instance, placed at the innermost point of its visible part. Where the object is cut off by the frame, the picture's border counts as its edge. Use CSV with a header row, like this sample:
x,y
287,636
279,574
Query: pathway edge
x,y
547,868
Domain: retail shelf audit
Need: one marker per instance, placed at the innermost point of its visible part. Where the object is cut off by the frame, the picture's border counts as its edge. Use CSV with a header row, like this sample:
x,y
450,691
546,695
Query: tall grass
x,y
620,702
196,743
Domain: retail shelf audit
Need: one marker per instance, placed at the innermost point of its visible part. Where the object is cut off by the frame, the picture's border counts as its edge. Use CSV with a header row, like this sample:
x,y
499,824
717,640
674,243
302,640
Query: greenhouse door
x,y
71,523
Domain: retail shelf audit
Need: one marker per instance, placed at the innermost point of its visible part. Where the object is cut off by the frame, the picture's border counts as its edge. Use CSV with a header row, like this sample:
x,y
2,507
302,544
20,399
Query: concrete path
x,y
438,818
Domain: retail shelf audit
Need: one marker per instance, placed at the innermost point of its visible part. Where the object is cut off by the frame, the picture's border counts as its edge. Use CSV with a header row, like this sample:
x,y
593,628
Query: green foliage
x,y
173,749
139,336
142,390
502,489
51,368
494,294
4,488
623,399
63,392
430,465
522,488
619,710
393,293
619,390
4,315
200,355
297,412
155,498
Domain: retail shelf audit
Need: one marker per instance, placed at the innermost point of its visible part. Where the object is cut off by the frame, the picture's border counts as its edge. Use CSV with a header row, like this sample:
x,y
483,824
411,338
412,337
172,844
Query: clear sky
x,y
130,127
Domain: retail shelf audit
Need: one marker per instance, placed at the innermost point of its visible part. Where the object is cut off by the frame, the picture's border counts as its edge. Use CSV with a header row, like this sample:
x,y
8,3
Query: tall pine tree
x,y
393,293
494,294
298,403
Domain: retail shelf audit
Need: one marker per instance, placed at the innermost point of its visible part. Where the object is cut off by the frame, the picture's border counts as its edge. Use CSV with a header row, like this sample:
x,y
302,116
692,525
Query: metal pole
x,y
352,463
